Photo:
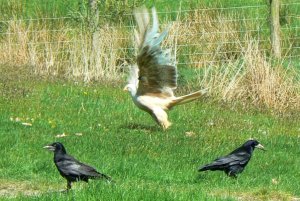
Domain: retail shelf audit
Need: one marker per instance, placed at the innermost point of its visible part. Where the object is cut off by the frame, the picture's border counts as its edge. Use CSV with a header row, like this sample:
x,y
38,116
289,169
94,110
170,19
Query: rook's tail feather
x,y
203,168
212,166
103,176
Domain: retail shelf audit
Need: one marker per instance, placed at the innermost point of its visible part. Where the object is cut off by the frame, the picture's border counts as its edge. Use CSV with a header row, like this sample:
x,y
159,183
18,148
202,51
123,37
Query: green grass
x,y
124,142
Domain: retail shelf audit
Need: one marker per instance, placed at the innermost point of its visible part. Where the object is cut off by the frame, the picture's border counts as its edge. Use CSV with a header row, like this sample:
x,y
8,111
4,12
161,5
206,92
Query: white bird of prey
x,y
152,81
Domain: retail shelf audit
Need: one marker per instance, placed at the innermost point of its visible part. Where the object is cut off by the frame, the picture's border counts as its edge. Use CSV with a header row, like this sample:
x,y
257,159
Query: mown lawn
x,y
104,129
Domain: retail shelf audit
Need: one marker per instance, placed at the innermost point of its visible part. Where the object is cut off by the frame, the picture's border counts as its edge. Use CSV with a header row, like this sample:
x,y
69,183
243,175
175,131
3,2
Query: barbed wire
x,y
132,48
35,19
204,62
201,32
38,31
183,54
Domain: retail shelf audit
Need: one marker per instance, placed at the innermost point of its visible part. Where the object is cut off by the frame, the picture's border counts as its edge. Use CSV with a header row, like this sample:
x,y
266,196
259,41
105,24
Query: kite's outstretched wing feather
x,y
157,73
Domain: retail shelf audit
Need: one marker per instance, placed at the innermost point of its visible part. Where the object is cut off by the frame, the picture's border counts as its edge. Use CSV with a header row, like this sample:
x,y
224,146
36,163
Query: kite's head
x,y
131,88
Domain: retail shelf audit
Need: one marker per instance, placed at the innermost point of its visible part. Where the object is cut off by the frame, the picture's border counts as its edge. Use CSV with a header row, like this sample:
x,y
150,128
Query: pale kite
x,y
152,81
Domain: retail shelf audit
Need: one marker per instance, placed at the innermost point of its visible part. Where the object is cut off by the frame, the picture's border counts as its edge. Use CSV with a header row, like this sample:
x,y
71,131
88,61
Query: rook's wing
x,y
69,166
92,172
240,158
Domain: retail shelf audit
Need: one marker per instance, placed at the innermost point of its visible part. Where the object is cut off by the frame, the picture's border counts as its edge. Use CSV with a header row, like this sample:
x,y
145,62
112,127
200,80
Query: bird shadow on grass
x,y
134,126
200,177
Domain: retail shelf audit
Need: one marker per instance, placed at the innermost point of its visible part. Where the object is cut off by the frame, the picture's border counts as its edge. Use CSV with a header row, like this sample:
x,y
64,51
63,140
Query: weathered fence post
x,y
94,20
275,27
94,29
94,15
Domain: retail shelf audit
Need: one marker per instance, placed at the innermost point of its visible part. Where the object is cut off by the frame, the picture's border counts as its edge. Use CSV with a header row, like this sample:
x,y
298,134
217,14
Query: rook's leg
x,y
69,185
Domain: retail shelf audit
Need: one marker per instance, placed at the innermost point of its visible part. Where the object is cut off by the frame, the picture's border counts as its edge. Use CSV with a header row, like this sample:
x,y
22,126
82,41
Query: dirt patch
x,y
260,195
12,81
12,189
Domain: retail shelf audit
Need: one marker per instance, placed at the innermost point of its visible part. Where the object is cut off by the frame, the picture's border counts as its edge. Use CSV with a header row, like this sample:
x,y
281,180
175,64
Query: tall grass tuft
x,y
65,50
212,36
98,58
254,79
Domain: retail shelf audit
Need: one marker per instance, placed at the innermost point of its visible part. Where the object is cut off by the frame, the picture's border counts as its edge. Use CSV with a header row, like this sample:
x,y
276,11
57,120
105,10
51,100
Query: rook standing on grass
x,y
235,162
70,168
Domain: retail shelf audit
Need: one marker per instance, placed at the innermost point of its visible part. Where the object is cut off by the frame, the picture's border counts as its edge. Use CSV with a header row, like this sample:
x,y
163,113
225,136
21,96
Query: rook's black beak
x,y
49,147
259,146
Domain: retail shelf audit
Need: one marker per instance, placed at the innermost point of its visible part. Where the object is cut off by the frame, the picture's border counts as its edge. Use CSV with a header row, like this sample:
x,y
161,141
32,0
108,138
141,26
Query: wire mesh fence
x,y
199,37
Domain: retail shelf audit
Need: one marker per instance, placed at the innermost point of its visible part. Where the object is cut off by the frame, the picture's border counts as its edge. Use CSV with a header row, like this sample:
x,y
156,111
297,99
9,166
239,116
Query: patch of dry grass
x,y
64,50
258,195
10,189
211,36
254,79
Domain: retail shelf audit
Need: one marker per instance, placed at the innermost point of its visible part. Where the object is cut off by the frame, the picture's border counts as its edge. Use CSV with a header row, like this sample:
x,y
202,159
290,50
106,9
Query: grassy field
x,y
124,142
250,96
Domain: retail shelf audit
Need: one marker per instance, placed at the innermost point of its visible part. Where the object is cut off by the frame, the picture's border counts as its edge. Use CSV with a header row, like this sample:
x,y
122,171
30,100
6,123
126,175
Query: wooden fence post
x,y
94,29
275,27
94,15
